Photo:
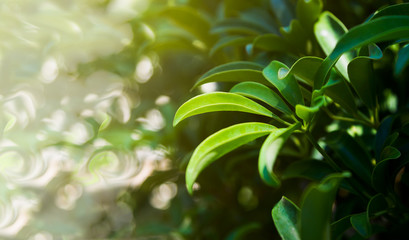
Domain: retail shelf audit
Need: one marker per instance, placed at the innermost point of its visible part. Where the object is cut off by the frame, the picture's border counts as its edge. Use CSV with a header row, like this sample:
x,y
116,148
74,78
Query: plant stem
x,y
322,151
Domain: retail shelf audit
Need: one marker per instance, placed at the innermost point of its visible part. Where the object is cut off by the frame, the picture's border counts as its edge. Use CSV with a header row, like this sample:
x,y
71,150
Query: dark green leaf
x,y
295,35
351,154
283,10
340,226
269,152
276,73
360,223
402,61
237,26
308,12
383,175
328,30
285,215
382,135
191,20
261,92
220,143
377,204
273,43
241,232
378,30
314,170
218,101
234,72
316,207
394,10
362,75
230,41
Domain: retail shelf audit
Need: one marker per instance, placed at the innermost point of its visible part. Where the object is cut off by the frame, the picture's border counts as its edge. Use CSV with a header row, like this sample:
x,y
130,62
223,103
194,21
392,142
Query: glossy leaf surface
x,y
285,215
276,74
220,143
218,101
240,71
269,152
261,92
378,30
328,30
317,205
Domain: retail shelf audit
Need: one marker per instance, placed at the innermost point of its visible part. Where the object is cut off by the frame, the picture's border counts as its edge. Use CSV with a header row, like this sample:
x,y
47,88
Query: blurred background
x,y
88,91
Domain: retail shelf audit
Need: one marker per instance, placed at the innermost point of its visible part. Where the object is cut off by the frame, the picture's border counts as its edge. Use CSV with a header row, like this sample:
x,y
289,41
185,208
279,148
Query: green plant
x,y
350,107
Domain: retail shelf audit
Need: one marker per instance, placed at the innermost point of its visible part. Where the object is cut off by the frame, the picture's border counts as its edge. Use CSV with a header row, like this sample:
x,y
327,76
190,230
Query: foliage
x,y
330,99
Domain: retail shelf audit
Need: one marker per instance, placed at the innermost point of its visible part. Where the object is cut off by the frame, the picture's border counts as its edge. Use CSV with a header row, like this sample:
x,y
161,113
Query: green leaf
x,y
402,61
328,30
230,41
378,30
240,71
394,10
351,154
362,75
316,207
218,101
269,152
237,26
360,223
273,43
283,10
383,175
242,231
306,113
220,143
314,170
295,35
261,92
340,226
191,20
276,73
285,215
377,204
305,68
308,12
382,135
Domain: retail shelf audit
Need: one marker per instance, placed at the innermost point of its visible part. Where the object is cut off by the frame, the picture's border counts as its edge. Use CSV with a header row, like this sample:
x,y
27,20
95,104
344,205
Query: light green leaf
x,y
240,71
218,101
317,206
306,113
230,41
328,30
360,223
220,143
402,61
269,152
285,215
261,92
378,30
276,73
362,75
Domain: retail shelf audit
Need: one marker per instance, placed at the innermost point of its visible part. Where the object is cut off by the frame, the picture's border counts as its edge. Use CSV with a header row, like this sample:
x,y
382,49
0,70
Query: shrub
x,y
340,122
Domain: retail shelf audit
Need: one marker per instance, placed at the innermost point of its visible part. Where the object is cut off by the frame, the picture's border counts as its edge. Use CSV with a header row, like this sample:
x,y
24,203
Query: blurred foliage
x,y
88,94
